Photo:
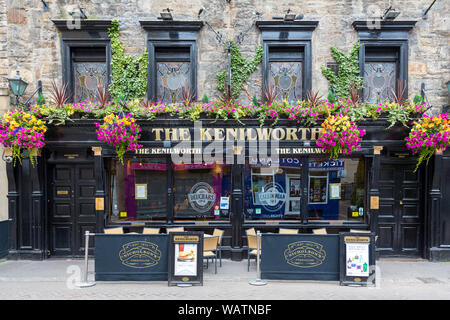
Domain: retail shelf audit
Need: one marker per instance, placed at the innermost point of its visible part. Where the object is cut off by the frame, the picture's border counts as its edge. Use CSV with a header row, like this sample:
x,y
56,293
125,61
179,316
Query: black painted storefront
x,y
411,219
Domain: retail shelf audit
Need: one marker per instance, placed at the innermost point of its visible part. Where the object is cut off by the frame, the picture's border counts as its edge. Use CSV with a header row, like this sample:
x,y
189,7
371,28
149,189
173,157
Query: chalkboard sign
x,y
185,258
357,261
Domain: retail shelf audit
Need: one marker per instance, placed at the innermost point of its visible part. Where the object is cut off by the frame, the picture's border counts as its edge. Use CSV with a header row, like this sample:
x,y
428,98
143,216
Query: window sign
x,y
141,191
335,190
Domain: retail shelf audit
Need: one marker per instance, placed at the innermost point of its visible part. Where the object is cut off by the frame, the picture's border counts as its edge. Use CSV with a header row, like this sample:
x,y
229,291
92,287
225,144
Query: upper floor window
x,y
287,60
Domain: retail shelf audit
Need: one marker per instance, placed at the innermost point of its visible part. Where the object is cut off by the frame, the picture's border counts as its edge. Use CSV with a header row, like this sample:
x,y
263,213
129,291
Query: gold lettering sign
x,y
374,202
202,223
62,192
71,156
140,254
251,134
99,204
186,239
272,222
305,254
357,239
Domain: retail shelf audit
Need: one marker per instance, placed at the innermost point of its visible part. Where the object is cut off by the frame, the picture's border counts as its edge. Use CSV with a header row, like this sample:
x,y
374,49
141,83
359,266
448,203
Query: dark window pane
x,y
198,189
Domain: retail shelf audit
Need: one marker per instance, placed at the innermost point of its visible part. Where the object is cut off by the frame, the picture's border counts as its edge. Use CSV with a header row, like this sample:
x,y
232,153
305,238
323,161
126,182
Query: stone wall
x,y
33,43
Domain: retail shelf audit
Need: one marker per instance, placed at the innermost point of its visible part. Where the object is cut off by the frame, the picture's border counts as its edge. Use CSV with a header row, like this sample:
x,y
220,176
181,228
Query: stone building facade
x,y
30,41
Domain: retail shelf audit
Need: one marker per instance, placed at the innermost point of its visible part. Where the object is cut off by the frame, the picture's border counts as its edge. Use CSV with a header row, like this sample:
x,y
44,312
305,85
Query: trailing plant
x,y
348,73
428,135
20,131
128,74
340,135
120,132
241,69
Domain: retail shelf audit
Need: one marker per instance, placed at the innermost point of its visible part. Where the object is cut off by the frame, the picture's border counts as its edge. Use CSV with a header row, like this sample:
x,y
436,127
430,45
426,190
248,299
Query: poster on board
x,y
185,258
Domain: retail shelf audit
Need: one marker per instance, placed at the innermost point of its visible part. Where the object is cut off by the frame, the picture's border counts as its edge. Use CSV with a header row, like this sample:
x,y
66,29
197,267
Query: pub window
x,y
201,191
139,190
173,73
89,71
381,71
285,72
336,189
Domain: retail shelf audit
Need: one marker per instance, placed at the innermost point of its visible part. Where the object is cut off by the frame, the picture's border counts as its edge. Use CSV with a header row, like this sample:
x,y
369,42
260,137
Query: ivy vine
x,y
129,74
348,72
241,69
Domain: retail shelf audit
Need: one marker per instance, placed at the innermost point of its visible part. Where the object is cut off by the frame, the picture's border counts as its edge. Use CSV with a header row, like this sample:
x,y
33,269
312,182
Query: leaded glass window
x,y
87,77
286,77
172,77
379,81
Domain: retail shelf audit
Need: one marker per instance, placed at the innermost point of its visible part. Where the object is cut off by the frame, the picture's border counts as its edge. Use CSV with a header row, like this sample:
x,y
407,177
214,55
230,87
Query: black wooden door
x,y
71,208
400,218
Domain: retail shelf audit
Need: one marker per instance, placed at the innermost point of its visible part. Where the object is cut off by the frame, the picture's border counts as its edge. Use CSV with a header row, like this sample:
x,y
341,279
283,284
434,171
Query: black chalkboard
x,y
357,261
131,257
185,258
300,257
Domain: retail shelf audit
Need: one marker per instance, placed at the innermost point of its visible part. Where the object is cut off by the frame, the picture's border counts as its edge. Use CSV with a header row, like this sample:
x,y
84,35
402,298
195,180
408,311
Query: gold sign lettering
x,y
186,239
357,239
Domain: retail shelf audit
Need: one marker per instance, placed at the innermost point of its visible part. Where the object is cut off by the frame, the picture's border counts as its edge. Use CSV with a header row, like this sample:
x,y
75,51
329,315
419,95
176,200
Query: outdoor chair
x,y
252,248
251,231
288,231
114,230
177,229
219,233
210,250
320,231
150,231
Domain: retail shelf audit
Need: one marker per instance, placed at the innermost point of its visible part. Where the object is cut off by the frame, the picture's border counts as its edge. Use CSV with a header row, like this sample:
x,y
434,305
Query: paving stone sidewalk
x,y
55,279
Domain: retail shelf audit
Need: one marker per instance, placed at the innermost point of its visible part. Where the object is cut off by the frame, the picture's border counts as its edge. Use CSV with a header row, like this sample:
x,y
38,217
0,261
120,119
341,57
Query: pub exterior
x,y
232,174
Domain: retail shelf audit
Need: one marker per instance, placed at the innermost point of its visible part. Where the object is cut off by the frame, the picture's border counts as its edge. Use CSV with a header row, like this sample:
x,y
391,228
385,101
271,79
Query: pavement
x,y
56,279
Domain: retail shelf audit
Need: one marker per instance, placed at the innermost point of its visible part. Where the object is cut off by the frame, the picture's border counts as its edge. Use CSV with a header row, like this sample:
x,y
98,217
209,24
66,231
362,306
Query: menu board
x,y
357,266
185,258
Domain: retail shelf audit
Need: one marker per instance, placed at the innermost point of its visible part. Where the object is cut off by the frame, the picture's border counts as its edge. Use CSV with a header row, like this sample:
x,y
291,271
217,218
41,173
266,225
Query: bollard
x,y
85,283
258,281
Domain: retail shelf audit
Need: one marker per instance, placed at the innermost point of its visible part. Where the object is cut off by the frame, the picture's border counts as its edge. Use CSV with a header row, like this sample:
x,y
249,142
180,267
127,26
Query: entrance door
x,y
400,218
293,194
71,208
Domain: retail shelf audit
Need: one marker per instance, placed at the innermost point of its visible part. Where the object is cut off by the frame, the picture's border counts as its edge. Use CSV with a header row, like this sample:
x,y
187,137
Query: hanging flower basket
x,y
428,135
21,131
340,136
122,133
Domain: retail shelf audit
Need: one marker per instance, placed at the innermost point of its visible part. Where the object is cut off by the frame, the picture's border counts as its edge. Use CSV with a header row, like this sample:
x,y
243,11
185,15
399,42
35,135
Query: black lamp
x,y
18,86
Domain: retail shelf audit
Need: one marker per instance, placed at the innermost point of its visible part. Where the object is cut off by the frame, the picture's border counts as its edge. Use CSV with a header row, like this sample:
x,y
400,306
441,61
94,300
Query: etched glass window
x,y
172,77
87,77
379,81
286,78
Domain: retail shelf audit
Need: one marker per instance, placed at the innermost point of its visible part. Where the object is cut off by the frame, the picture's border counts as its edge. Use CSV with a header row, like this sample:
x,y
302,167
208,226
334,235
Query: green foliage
x,y
331,97
40,99
241,69
255,101
129,74
205,98
348,72
417,99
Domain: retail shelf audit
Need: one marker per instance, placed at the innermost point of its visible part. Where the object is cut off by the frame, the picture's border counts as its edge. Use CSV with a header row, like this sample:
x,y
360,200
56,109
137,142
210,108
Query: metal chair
x,y
150,231
114,230
252,247
177,229
219,233
288,231
210,250
320,231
